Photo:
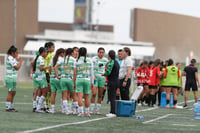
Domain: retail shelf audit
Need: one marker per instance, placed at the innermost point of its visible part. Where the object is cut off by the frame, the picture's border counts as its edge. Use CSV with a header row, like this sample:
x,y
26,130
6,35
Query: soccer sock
x,y
65,105
8,105
86,110
98,107
167,101
37,100
69,105
80,109
41,100
34,104
117,97
175,102
92,105
75,106
52,107
45,104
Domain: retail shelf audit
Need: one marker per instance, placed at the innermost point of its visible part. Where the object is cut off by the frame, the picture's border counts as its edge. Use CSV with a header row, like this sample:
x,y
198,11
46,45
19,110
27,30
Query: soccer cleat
x,y
80,114
167,106
87,114
185,106
34,109
98,113
110,115
39,111
13,110
174,107
52,111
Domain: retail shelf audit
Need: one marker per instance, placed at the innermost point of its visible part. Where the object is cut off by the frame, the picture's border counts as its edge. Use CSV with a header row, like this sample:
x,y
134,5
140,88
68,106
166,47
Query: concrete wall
x,y
174,36
26,22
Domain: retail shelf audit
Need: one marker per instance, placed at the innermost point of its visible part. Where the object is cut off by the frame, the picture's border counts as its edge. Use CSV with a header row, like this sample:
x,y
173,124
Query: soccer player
x,y
40,78
67,80
99,63
13,64
142,74
83,80
47,60
55,76
153,81
171,76
112,72
192,79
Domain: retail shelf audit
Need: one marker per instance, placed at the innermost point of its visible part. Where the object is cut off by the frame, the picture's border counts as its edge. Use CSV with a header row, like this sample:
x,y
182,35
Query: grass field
x,y
156,120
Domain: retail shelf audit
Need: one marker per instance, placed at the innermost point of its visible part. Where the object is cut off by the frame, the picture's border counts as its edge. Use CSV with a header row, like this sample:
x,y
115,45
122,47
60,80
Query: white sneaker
x,y
110,115
87,114
80,114
52,111
98,113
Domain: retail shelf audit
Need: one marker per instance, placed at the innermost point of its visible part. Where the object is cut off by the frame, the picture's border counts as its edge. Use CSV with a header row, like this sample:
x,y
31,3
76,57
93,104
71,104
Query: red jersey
x,y
142,75
154,78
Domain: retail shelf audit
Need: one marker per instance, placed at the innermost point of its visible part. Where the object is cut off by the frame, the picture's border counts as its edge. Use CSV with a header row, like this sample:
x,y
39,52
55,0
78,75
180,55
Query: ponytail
x,y
58,52
11,50
41,50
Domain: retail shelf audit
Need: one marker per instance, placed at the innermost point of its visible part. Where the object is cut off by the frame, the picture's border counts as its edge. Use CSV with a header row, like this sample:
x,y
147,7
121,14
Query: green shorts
x,y
55,85
41,83
100,82
83,85
11,83
67,84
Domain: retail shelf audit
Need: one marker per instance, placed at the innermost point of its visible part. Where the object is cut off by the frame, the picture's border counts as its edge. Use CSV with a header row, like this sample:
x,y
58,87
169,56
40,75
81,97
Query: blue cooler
x,y
124,108
163,101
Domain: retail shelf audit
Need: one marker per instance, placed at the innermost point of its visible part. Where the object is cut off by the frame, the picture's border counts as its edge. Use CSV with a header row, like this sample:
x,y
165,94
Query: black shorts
x,y
47,77
189,85
176,87
143,84
153,86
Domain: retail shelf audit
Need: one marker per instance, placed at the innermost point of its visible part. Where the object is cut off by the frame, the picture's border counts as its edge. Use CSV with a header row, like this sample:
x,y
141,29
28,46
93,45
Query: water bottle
x,y
139,117
197,110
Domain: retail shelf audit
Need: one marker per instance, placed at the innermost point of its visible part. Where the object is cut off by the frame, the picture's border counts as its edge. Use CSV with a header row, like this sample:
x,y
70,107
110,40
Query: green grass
x,y
26,120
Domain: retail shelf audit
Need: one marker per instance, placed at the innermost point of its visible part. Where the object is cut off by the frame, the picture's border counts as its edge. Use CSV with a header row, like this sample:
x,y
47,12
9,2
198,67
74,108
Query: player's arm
x,y
17,67
56,70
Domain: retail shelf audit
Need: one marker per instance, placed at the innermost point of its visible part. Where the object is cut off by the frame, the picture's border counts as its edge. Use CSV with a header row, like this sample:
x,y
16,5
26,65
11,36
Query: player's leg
x,y
175,94
168,91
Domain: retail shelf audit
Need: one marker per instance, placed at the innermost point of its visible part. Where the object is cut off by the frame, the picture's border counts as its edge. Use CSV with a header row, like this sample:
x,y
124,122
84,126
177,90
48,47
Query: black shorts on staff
x,y
191,84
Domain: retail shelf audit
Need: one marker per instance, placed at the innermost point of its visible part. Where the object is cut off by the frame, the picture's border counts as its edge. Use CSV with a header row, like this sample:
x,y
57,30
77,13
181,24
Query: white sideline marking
x,y
161,117
183,125
64,124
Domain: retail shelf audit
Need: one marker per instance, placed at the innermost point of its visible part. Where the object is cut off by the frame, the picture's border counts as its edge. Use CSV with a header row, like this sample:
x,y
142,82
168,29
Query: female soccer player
x,y
142,74
40,78
47,60
154,81
67,80
171,76
99,63
83,80
55,72
12,66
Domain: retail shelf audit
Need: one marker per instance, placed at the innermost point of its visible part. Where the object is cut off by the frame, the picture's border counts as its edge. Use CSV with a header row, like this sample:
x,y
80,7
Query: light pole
x,y
15,21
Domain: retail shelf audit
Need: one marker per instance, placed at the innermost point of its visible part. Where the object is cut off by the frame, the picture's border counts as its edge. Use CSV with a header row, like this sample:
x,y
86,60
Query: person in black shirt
x,y
112,73
192,79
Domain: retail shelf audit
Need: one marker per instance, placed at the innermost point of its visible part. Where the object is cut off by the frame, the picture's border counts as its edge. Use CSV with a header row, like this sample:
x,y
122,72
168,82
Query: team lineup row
x,y
73,74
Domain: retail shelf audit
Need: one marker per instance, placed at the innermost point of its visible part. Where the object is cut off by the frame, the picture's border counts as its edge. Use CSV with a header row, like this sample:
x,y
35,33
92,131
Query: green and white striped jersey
x,y
68,68
84,70
11,72
39,75
99,66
